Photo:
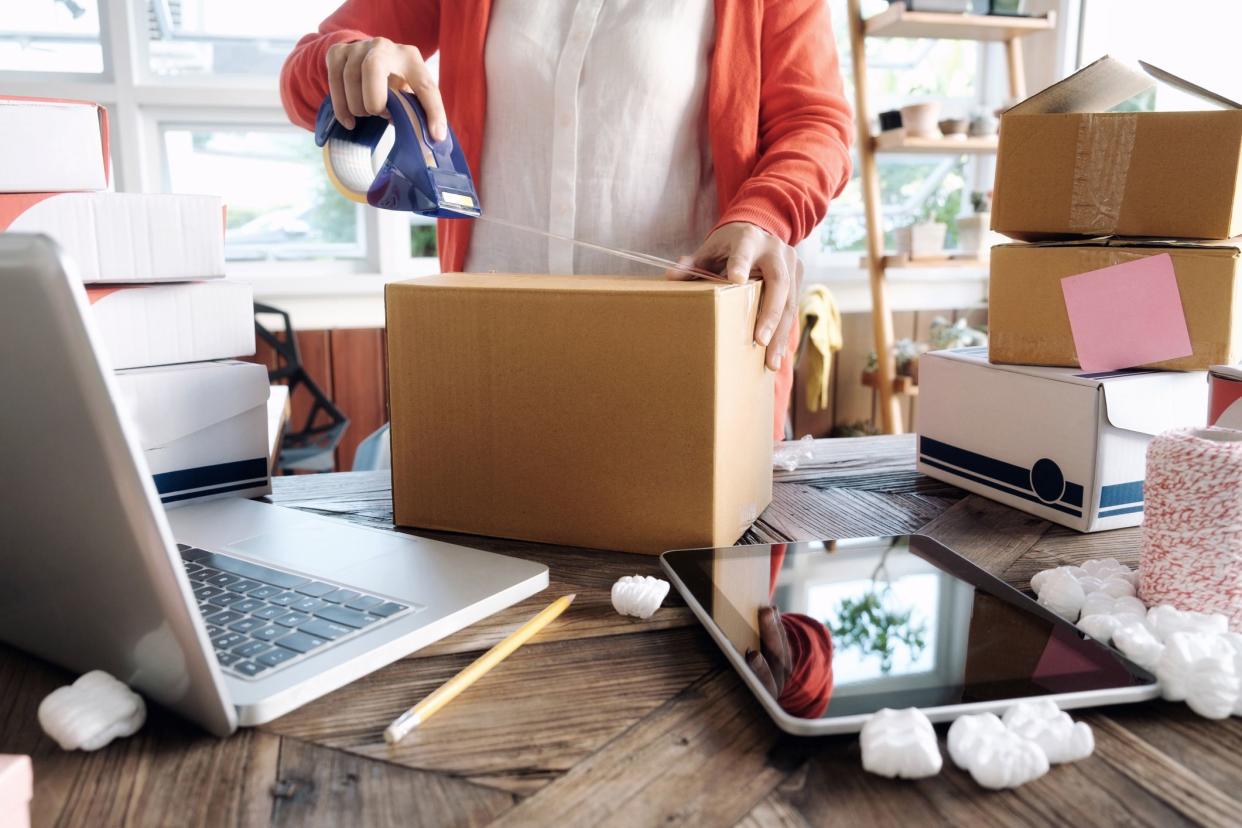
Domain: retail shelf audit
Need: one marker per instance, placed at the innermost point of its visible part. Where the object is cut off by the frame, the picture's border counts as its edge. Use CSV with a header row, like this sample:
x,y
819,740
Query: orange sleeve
x,y
304,77
805,124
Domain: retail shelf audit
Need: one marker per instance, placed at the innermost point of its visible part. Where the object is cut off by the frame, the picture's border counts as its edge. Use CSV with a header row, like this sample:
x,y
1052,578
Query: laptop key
x,y
348,617
340,596
213,631
225,599
227,658
189,553
387,609
223,579
276,655
301,642
247,625
191,568
284,599
268,633
255,572
223,642
269,612
364,603
249,668
307,605
223,619
244,585
316,589
249,605
292,619
325,629
250,649
264,592
207,572
205,592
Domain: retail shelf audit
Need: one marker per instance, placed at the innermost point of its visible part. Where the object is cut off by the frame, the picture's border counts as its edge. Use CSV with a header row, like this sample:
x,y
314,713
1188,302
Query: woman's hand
x,y
737,249
773,663
361,72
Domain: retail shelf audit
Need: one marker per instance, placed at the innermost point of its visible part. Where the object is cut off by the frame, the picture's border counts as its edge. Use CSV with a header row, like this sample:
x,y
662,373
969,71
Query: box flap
x,y
545,282
979,357
1156,401
1190,88
167,403
1097,87
1229,246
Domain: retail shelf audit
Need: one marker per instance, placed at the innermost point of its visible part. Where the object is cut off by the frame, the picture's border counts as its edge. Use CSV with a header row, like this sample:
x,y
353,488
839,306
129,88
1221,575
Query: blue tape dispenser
x,y
394,164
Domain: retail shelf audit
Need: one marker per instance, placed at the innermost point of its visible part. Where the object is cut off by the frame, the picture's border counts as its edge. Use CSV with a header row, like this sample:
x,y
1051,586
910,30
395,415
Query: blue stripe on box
x,y
204,477
1125,510
1000,488
1120,494
1007,473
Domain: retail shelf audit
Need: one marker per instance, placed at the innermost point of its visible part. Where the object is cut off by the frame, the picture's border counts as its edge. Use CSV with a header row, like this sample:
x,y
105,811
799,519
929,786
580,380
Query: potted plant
x,y
924,238
921,120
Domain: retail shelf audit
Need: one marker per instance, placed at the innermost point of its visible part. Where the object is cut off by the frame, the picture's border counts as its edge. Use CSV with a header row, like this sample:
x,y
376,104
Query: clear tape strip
x,y
1101,167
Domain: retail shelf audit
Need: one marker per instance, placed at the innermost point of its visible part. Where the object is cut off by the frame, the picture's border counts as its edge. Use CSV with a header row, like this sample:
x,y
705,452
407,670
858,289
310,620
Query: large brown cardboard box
x,y
1066,166
1028,323
603,412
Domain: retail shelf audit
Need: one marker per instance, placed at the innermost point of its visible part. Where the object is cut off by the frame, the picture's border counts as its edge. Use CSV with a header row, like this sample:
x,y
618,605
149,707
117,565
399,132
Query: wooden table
x,y
612,721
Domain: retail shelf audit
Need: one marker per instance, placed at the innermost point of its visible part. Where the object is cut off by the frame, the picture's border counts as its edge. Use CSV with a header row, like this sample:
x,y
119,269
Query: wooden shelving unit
x,y
898,21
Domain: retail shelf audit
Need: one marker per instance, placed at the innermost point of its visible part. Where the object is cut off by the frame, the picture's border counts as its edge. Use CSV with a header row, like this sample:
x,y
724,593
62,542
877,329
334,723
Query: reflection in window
x,y
280,205
228,37
50,36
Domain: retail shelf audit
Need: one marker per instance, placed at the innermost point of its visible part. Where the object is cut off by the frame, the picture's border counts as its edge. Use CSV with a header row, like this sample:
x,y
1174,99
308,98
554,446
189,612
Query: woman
x,y
652,125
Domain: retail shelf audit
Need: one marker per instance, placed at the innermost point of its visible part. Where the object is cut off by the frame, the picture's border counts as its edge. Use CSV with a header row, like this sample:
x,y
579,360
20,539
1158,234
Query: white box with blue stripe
x,y
1068,446
202,427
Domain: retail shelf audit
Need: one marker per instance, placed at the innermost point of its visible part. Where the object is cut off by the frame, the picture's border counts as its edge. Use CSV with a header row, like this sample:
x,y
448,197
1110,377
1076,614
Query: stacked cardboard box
x,y
162,315
1041,421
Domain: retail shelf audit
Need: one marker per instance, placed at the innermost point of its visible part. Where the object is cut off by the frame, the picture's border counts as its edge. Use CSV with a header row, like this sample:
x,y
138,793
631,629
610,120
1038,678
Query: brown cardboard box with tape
x,y
603,412
1028,323
1066,166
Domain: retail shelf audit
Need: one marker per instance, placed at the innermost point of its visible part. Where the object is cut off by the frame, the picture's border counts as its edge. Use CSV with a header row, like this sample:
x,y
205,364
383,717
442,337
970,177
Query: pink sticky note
x,y
1126,315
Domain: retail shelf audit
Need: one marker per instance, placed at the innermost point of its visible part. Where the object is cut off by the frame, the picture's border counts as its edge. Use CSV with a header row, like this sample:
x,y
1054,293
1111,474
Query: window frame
x,y
140,104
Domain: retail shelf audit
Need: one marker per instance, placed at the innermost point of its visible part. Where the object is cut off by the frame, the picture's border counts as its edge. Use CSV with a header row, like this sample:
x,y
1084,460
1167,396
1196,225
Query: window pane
x,y
50,36
280,204
228,37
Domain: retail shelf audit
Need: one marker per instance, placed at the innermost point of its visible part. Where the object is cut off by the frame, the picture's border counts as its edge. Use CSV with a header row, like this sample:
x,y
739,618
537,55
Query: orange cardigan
x,y
778,122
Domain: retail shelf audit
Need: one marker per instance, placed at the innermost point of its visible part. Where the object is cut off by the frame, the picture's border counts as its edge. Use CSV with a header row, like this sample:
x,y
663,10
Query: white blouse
x,y
596,129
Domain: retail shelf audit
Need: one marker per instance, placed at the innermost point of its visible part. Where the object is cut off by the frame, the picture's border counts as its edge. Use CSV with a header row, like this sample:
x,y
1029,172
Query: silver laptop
x,y
230,612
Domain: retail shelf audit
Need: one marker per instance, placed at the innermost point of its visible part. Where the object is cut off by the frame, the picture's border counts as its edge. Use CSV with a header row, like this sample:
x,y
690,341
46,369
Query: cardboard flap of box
x,y
168,403
1097,87
1137,406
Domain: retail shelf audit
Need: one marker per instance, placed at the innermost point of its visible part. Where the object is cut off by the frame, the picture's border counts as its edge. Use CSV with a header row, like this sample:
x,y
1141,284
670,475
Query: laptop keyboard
x,y
262,619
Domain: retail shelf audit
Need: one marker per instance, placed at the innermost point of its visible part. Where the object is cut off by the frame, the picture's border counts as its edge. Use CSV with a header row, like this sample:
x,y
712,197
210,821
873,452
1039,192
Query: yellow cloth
x,y
821,318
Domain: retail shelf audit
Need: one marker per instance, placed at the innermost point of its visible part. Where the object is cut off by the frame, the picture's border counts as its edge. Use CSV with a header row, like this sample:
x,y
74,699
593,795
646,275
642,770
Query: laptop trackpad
x,y
319,547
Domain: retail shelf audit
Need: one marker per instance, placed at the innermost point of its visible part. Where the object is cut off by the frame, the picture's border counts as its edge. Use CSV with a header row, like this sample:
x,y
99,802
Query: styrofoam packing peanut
x,y
1061,738
1102,603
900,744
1199,668
1061,593
1138,643
91,712
638,595
995,756
1165,620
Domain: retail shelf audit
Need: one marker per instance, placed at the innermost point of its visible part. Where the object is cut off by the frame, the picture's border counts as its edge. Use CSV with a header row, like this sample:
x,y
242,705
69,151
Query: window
x,y
280,204
50,36
228,37
191,88
901,71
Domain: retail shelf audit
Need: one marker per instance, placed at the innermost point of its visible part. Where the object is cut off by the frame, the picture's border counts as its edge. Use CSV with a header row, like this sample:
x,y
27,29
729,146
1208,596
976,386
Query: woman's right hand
x,y
361,72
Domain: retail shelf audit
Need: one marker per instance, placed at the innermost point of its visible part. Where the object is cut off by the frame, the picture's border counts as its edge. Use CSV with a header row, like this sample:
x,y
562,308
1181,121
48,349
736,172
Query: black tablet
x,y
828,632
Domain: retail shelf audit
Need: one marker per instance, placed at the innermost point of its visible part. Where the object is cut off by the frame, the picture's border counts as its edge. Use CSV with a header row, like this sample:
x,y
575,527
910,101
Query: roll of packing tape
x,y
1192,522
352,167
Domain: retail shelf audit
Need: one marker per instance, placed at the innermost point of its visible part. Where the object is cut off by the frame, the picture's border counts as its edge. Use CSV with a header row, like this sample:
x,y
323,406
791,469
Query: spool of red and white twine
x,y
1192,522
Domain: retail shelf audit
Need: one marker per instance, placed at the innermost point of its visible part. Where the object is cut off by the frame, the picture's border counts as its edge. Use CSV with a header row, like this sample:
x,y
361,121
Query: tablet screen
x,y
846,627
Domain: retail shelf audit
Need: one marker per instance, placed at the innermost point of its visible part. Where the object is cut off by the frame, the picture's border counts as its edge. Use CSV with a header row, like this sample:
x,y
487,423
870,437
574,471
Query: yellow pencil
x,y
451,689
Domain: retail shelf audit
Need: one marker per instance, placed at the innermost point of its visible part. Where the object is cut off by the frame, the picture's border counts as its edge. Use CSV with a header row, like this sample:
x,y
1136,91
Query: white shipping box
x,y
50,145
152,324
1067,446
202,427
126,237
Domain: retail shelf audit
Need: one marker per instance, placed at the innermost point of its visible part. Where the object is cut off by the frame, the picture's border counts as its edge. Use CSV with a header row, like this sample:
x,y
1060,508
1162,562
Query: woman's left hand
x,y
737,250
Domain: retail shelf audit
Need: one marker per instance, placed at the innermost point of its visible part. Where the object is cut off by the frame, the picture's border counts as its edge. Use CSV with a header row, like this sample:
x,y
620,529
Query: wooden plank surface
x,y
607,720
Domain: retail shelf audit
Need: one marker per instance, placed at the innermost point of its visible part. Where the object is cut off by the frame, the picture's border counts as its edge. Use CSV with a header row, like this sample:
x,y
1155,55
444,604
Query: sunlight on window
x,y
280,204
50,36
228,37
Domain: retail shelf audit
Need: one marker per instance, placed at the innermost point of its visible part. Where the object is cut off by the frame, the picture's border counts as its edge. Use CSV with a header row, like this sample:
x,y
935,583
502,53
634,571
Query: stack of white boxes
x,y
163,315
